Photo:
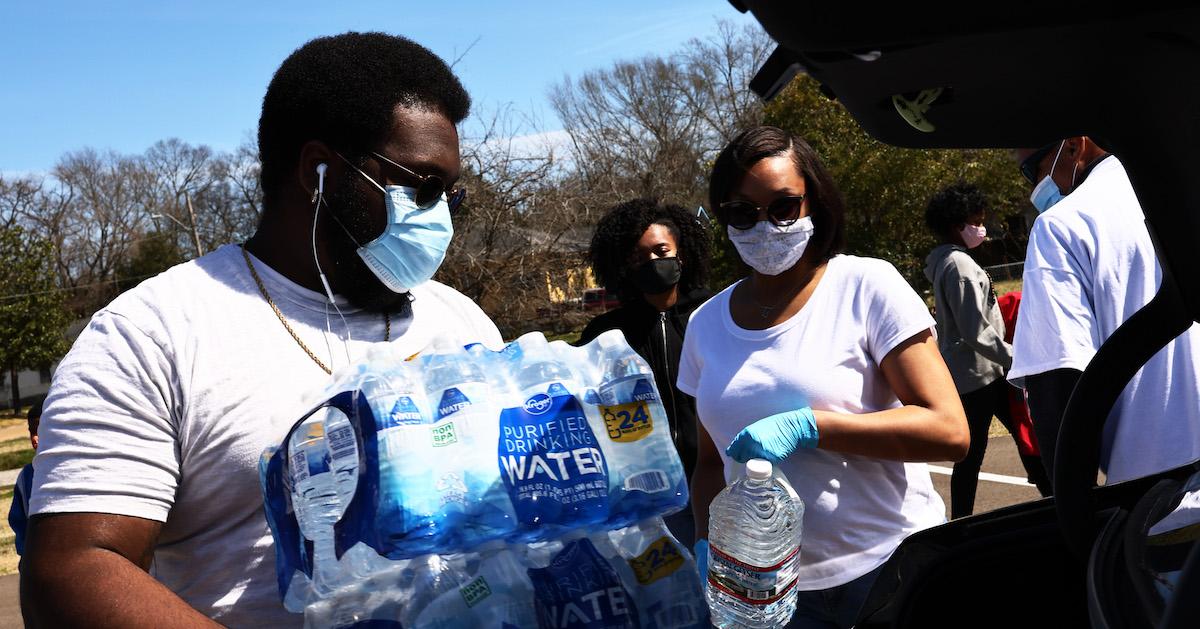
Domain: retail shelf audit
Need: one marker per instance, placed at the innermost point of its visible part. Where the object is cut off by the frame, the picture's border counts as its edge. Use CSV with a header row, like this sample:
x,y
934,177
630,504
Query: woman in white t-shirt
x,y
824,364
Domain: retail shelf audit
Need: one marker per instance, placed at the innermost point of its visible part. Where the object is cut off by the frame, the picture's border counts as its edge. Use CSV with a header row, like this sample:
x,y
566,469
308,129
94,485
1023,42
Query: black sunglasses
x,y
1029,166
743,214
430,189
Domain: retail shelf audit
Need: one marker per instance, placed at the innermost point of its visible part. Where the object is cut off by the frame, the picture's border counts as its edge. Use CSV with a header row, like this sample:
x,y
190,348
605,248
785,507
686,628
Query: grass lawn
x,y
1005,286
15,452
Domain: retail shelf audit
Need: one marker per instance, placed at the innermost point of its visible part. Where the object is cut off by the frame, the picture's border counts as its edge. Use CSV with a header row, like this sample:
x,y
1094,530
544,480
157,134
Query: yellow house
x,y
569,284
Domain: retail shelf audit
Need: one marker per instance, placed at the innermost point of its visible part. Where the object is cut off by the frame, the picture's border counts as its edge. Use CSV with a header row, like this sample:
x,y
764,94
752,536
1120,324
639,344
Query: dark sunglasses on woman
x,y
743,214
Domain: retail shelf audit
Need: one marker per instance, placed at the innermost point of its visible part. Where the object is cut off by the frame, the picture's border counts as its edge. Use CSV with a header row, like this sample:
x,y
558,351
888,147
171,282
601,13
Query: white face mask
x,y
769,248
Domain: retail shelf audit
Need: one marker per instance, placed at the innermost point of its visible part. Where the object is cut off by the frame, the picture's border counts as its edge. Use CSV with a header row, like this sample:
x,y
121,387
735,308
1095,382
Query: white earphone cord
x,y
324,282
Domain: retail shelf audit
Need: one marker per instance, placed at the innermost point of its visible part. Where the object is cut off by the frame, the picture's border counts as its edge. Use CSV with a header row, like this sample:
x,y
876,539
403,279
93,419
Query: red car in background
x,y
599,299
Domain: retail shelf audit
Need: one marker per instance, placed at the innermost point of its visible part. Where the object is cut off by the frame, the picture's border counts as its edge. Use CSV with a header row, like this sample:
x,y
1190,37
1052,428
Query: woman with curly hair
x,y
654,257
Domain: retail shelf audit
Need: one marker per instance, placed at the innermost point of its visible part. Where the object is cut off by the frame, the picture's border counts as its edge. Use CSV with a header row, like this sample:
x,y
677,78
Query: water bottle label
x,y
628,422
451,489
551,463
650,481
661,559
341,442
453,401
299,465
443,434
579,589
753,585
475,591
643,391
309,462
403,413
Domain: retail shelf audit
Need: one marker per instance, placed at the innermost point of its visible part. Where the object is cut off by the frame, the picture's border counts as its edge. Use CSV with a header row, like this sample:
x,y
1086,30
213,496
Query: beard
x,y
355,280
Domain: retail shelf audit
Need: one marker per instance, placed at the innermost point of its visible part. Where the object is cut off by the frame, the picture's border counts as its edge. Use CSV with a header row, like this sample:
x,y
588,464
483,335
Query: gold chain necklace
x,y
262,288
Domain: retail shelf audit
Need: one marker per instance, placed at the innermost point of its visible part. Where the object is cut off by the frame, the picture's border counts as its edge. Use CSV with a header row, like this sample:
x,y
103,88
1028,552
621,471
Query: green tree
x,y
153,254
32,315
887,188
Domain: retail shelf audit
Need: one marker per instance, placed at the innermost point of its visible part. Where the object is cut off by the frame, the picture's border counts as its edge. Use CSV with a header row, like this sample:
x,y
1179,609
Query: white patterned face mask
x,y
769,248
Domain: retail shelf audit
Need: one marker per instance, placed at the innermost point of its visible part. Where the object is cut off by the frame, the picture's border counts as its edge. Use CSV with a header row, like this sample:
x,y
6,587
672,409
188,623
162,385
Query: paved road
x,y
10,603
1001,459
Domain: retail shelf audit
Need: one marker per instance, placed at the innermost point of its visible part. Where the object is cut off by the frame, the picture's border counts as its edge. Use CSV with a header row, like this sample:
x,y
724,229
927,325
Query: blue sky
x,y
122,75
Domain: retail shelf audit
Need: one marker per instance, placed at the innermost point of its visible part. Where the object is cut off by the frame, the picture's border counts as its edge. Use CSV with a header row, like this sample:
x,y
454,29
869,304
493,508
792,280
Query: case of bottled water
x,y
467,484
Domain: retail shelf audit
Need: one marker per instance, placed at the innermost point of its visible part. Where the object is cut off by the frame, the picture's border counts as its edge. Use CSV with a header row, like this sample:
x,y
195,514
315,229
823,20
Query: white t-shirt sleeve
x,y
690,360
895,313
1054,296
107,441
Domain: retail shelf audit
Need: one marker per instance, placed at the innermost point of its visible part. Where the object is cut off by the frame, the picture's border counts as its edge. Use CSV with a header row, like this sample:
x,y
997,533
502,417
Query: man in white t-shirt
x,y
1090,265
147,505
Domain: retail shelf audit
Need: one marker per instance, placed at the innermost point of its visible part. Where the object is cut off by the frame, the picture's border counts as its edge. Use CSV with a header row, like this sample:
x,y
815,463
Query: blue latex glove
x,y
700,550
776,437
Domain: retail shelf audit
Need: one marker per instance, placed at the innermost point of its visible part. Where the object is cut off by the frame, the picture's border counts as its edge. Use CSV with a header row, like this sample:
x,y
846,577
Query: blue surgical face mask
x,y
414,242
1046,193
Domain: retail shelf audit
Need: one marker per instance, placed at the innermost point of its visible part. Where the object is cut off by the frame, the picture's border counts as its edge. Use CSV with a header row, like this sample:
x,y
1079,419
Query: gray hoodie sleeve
x,y
967,292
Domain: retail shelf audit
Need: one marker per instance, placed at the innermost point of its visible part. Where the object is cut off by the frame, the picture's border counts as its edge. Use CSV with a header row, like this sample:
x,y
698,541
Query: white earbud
x,y
321,177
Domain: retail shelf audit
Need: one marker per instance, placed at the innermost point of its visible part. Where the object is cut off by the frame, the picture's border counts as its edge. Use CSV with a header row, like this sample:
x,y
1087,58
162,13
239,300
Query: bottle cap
x,y
758,469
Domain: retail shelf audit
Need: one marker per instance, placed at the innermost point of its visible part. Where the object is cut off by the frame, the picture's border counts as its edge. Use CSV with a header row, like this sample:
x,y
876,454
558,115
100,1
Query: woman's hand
x,y
775,438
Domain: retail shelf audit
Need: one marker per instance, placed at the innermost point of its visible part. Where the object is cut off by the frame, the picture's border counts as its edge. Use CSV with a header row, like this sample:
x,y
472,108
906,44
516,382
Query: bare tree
x,y
19,198
179,173
517,235
229,208
92,218
651,127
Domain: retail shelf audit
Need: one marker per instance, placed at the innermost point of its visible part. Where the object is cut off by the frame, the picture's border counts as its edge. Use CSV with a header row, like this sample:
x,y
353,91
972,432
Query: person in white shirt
x,y
1089,266
147,508
824,364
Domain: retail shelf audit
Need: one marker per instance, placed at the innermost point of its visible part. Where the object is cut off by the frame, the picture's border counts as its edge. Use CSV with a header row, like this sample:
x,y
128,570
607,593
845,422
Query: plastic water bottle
x,y
408,500
551,462
754,547
646,475
660,574
465,436
315,499
343,454
360,560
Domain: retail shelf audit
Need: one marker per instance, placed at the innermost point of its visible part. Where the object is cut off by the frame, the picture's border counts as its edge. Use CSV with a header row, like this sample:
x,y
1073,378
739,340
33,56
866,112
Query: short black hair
x,y
824,199
622,226
343,90
952,206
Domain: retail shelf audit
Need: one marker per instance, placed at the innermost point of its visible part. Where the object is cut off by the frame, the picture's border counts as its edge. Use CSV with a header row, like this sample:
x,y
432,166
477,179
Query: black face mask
x,y
657,276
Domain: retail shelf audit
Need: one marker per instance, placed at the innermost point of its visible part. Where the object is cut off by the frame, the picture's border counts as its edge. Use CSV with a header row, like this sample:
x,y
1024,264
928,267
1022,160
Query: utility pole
x,y
195,235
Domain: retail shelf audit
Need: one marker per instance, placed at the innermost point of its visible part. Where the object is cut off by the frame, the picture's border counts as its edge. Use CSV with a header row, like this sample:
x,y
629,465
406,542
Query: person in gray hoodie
x,y
970,333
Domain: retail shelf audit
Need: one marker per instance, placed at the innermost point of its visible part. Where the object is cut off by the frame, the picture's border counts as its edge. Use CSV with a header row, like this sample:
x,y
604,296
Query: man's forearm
x,y
99,588
1048,395
90,570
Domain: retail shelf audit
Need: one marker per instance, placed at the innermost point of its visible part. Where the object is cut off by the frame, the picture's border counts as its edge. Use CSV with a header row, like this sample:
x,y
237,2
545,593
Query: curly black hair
x,y
951,207
619,230
343,90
